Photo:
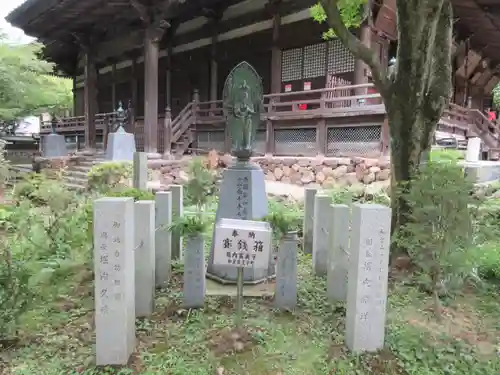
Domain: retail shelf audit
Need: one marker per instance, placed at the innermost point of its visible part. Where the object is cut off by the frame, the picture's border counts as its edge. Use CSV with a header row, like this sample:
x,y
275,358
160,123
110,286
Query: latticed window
x,y
354,140
295,141
314,60
340,60
291,65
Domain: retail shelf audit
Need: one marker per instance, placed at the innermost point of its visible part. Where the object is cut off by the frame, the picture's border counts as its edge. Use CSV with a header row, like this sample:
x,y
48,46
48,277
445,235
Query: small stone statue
x,y
243,95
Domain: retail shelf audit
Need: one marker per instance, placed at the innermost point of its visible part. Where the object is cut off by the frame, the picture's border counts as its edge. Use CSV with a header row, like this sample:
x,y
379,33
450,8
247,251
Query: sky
x,y
14,34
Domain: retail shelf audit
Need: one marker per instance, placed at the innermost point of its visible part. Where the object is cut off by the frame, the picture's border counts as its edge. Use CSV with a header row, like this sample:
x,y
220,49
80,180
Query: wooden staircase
x,y
179,134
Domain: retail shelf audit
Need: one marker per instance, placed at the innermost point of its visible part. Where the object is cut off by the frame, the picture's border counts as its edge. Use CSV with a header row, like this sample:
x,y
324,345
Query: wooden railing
x,y
323,102
66,124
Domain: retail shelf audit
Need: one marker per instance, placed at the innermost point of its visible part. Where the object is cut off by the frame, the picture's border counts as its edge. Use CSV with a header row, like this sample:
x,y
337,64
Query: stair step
x,y
72,186
76,173
82,181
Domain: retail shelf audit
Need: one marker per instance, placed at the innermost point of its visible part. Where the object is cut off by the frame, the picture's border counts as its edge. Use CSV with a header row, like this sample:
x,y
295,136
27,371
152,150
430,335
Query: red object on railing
x,y
302,107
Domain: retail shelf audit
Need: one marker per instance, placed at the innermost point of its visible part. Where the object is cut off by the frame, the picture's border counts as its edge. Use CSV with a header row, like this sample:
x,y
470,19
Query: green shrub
x,y
111,175
201,185
138,195
439,232
446,155
42,191
488,262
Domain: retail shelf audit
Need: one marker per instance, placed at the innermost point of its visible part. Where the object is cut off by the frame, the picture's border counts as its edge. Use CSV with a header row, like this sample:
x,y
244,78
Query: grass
x,y
58,337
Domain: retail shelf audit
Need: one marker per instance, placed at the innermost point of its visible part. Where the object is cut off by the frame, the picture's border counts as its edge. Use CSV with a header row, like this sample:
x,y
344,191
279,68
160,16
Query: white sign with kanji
x,y
242,243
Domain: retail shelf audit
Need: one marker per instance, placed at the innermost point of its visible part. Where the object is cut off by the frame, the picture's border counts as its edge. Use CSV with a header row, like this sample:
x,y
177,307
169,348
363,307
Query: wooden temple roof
x,y
59,24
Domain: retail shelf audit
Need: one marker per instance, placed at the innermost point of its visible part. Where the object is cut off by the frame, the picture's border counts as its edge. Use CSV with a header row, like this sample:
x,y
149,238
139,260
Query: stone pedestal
x,y
242,196
54,146
121,146
473,149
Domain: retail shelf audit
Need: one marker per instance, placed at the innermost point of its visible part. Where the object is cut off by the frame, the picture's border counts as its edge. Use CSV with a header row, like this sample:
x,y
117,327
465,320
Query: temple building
x,y
167,60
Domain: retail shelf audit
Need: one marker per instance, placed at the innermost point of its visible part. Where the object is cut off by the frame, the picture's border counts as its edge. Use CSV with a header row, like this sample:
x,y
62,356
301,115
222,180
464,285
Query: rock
x,y
289,161
369,178
278,174
343,161
371,162
317,161
183,176
330,183
339,172
156,163
296,167
327,171
304,162
360,171
307,178
357,189
333,163
270,176
213,159
320,178
374,170
287,171
226,160
378,187
384,163
350,178
384,174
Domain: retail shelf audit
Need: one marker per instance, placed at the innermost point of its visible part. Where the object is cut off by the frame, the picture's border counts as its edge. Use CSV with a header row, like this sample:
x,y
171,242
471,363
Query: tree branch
x,y
357,48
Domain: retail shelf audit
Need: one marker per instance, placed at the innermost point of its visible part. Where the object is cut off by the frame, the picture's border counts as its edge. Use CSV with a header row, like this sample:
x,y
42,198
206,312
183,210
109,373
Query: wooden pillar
x,y
90,99
276,54
113,88
133,100
74,96
213,63
151,51
360,68
168,77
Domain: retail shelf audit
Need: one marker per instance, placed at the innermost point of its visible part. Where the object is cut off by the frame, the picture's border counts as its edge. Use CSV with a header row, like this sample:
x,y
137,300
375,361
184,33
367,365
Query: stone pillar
x,y
177,211
144,258
151,51
286,273
163,238
473,149
368,274
90,99
140,171
321,239
194,272
338,256
308,226
114,271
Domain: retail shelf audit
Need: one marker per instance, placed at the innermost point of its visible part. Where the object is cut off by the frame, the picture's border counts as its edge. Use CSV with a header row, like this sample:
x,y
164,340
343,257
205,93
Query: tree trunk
x,y
418,89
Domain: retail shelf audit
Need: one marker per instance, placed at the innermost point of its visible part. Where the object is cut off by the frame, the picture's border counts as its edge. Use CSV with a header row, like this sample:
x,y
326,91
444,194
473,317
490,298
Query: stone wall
x,y
302,171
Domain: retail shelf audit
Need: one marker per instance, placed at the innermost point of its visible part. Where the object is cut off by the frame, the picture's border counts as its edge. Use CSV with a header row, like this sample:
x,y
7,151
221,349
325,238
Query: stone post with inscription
x,y
307,243
177,211
338,256
285,296
194,272
243,189
114,271
163,238
144,258
367,280
321,236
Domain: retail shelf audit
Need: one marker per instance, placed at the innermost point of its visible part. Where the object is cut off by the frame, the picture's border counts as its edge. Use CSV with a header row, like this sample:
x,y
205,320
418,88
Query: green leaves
x,y
27,86
350,10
